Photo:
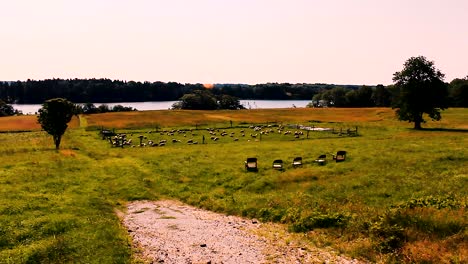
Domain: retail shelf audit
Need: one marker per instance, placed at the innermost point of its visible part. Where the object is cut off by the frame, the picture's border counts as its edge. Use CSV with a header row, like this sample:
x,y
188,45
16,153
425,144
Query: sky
x,y
230,41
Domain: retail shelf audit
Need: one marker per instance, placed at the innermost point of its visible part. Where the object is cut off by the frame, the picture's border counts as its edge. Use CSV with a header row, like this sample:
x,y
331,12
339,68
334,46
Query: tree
x,y
420,90
459,92
6,109
336,96
89,108
229,102
381,96
54,117
198,100
103,108
364,96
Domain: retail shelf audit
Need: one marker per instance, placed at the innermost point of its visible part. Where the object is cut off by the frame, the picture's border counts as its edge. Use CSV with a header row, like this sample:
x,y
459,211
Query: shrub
x,y
320,220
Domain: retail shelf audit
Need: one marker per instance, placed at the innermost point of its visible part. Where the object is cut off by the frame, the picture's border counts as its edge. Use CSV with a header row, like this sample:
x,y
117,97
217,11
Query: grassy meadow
x,y
400,195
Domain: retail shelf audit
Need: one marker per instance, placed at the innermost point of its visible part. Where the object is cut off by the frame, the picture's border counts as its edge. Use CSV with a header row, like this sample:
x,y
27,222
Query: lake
x,y
164,105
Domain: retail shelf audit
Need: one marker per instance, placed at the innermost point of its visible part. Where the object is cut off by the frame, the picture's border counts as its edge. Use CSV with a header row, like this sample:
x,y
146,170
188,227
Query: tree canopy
x,y
54,117
420,90
459,92
7,110
206,100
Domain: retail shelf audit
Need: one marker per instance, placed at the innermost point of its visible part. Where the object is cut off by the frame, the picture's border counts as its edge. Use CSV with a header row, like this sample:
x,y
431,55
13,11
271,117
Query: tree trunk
x,y
57,142
418,121
417,125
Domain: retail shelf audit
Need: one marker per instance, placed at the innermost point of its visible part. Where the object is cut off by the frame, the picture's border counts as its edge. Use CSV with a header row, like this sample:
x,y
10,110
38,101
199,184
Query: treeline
x,y
382,96
111,91
90,108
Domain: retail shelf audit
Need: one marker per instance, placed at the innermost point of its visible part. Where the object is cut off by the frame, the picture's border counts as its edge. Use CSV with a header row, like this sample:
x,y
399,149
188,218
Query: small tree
x,y
229,102
54,117
419,89
6,109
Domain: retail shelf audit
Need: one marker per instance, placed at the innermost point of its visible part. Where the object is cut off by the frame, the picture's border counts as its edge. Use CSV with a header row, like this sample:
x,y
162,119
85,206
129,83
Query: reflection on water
x,y
144,106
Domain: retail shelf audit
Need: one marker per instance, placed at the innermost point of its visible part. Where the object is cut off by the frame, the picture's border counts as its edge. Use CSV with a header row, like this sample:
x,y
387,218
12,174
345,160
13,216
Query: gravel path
x,y
172,232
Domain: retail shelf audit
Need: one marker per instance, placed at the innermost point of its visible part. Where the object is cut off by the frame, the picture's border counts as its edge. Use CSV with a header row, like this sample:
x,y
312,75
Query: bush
x,y
320,220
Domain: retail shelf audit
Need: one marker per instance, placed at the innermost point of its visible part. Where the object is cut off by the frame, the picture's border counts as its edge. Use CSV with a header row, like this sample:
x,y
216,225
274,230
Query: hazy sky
x,y
230,41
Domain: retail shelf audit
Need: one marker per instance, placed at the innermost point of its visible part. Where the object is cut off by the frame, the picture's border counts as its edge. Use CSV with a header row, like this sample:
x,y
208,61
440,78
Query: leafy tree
x,y
459,92
103,108
89,108
351,98
229,102
336,96
420,90
198,100
381,96
6,109
54,117
121,108
364,96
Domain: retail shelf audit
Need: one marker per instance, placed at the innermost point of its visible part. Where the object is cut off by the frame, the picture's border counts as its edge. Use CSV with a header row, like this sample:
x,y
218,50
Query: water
x,y
164,105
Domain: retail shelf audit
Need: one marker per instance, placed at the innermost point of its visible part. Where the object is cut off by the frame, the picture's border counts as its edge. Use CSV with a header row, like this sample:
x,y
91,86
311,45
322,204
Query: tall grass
x,y
400,195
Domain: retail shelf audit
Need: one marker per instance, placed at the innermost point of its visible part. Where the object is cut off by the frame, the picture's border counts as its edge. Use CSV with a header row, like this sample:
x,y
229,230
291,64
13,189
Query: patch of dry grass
x,y
170,118
27,123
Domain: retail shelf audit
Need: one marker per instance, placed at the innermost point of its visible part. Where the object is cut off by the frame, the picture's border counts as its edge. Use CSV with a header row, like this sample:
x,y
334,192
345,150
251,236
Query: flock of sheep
x,y
255,134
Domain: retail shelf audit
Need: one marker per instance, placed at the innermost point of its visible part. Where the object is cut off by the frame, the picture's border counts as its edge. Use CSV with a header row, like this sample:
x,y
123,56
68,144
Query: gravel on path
x,y
173,232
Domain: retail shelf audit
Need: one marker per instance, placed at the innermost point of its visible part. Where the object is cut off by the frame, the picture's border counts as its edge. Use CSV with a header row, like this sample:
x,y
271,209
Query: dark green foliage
x,y
271,214
381,96
420,90
320,220
199,100
364,96
459,92
89,108
54,117
449,201
7,110
229,102
206,100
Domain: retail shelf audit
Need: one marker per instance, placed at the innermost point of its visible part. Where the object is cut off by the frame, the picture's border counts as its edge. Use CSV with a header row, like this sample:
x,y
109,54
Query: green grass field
x,y
400,195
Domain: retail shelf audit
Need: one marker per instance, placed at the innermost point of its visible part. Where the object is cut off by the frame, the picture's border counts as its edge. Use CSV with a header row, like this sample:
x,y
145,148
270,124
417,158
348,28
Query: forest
x,y
111,91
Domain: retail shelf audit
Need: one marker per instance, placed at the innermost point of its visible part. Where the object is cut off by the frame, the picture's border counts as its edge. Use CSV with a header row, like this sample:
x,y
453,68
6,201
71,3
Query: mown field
x,y
400,195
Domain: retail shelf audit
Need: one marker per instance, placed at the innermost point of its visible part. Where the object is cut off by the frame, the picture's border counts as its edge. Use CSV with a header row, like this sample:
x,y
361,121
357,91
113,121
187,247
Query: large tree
x,y
197,100
54,117
420,90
